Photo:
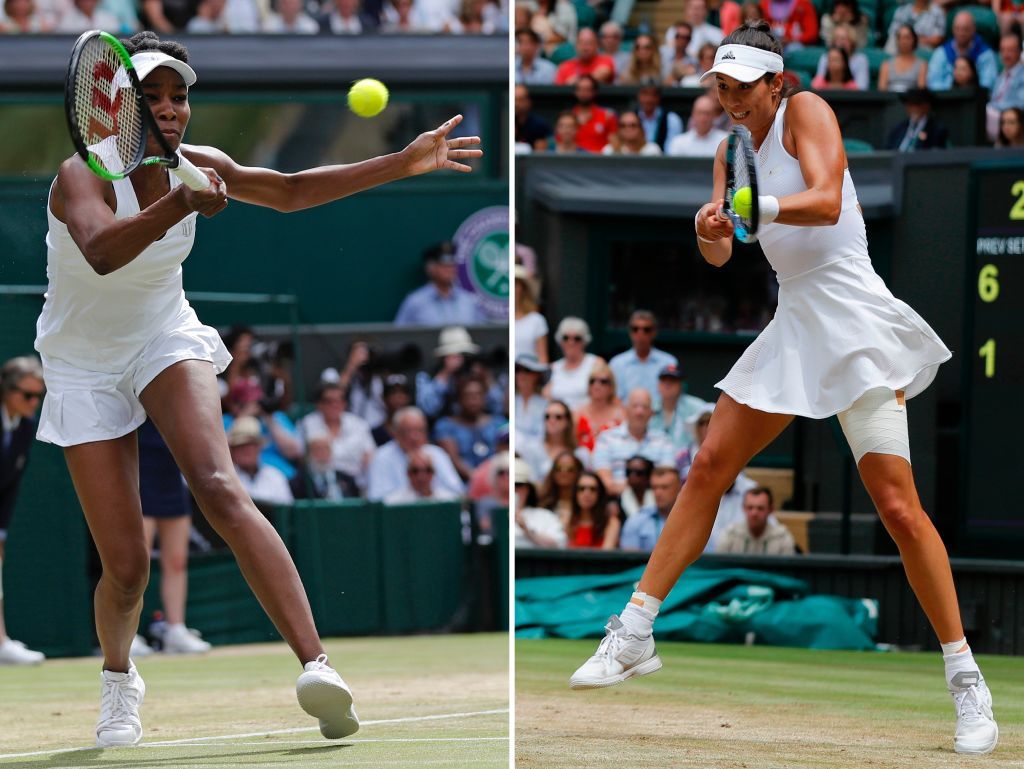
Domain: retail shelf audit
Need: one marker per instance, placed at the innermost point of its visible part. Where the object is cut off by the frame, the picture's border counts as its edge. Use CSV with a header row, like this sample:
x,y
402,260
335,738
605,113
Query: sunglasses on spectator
x,y
421,470
30,395
637,471
641,329
600,380
553,416
571,338
588,487
565,468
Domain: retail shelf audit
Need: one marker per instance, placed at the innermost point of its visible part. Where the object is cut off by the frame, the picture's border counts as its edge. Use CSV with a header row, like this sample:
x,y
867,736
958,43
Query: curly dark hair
x,y
148,41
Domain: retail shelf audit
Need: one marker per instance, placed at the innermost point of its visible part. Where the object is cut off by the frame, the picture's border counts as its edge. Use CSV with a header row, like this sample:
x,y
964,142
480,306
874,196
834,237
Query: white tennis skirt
x,y
82,406
838,332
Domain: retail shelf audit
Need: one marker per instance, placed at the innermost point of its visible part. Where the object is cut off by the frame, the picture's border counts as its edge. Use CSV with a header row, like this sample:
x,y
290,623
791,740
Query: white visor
x,y
146,61
743,62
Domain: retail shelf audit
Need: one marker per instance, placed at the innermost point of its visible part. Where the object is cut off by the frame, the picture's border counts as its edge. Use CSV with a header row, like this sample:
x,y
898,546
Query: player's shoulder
x,y
74,177
807,104
205,155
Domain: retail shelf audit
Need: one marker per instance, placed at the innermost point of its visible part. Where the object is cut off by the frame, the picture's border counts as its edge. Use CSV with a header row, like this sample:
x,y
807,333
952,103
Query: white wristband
x,y
695,218
768,208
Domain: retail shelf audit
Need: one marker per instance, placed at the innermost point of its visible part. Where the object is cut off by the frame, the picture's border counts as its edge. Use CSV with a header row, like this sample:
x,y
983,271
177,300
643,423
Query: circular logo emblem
x,y
481,252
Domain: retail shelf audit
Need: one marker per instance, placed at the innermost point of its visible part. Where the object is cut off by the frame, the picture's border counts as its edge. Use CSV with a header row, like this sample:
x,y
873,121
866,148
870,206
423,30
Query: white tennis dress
x,y
838,330
103,338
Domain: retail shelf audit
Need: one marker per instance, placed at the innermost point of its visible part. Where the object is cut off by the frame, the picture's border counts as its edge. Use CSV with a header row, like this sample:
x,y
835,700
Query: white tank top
x,y
571,386
102,322
794,250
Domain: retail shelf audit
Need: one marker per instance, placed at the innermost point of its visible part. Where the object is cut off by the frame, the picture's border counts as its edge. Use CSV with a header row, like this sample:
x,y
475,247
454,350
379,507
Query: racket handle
x,y
191,175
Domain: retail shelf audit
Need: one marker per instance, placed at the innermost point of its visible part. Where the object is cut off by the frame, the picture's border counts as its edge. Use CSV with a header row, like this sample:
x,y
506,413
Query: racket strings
x,y
107,113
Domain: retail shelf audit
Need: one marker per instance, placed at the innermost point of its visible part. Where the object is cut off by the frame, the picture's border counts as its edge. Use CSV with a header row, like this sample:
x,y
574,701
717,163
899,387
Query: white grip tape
x,y
876,424
191,175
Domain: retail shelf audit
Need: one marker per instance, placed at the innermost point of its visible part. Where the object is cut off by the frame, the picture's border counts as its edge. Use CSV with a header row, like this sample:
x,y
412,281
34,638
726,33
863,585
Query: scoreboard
x,y
993,458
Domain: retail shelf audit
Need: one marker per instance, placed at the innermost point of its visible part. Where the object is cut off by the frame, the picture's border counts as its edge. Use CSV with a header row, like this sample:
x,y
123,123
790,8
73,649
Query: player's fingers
x,y
457,166
465,154
463,141
445,128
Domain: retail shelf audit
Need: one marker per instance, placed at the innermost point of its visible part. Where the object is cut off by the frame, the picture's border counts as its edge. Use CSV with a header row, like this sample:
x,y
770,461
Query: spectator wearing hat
x,y
640,365
535,526
396,395
633,437
318,478
531,327
530,375
263,482
435,393
420,472
352,445
920,131
660,125
440,302
676,407
470,435
282,446
965,41
570,374
388,468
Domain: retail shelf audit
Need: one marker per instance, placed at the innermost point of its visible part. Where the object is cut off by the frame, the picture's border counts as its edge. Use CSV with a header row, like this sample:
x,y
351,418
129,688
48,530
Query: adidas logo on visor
x,y
728,55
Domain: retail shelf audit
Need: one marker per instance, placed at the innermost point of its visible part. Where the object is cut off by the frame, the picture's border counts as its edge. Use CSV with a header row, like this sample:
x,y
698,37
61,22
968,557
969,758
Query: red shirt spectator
x,y
793,21
596,124
587,62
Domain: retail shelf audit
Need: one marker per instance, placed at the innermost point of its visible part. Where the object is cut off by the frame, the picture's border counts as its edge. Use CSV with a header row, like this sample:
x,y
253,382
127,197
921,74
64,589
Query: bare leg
x,y
106,478
173,563
184,404
890,482
736,433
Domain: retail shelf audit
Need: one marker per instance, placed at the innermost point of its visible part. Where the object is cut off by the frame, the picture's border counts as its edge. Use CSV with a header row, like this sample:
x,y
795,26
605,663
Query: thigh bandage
x,y
877,423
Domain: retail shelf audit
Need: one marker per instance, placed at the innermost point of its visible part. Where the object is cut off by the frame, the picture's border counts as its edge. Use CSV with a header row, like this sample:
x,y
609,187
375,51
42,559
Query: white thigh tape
x,y
876,423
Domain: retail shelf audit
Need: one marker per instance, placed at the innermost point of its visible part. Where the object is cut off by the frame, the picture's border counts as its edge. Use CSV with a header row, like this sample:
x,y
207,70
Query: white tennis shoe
x,y
16,653
324,695
121,696
179,639
976,729
618,657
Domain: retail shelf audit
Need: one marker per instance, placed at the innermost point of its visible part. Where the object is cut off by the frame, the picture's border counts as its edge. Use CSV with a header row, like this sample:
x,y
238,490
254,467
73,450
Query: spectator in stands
x,y
531,67
837,72
346,18
531,327
920,131
965,42
1009,14
84,15
352,445
404,17
570,373
535,526
470,435
676,409
1008,89
630,138
602,410
1011,128
239,340
318,478
610,40
558,489
703,138
758,534
596,124
730,510
388,466
481,482
843,36
642,530
661,126
559,437
440,302
22,17
495,496
847,12
634,436
644,63
594,521
904,69
676,63
794,22
396,395
637,492
965,76
555,21
703,32
564,141
530,374
926,17
420,471
455,350
282,446
21,393
213,18
697,430
472,19
263,482
531,130
289,18
640,365
705,61
588,61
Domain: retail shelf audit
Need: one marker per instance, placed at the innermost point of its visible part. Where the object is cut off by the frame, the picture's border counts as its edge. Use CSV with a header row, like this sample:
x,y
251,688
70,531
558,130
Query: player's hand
x,y
712,223
433,150
210,201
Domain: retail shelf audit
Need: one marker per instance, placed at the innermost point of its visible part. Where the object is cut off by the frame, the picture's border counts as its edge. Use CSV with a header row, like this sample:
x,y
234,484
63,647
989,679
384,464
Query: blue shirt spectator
x,y
640,366
965,42
531,68
676,409
632,438
643,528
660,125
440,302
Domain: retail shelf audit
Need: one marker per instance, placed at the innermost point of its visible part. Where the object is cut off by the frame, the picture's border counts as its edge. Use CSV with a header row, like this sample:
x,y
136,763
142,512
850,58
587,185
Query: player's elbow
x,y
99,261
288,199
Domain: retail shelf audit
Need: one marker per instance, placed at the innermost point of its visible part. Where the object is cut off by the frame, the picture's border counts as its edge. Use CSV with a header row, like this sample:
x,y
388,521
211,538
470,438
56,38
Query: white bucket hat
x,y
743,62
455,340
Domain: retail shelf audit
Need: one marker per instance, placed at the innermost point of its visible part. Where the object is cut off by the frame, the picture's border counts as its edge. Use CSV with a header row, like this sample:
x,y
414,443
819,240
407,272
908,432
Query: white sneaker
x,y
325,696
120,698
179,639
16,653
976,729
619,656
140,648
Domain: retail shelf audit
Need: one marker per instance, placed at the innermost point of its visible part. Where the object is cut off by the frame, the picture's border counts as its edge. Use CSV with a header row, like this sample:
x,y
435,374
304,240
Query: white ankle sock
x,y
639,617
961,669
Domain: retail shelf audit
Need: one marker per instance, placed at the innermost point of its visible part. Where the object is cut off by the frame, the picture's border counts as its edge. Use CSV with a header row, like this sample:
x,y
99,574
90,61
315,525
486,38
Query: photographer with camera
x,y
245,398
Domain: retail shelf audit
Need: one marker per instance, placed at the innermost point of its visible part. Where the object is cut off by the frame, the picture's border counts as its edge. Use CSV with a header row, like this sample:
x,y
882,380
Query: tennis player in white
x,y
840,343
119,341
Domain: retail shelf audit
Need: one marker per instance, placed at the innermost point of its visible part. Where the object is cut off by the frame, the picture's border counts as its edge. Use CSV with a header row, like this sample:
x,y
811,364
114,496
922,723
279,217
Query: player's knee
x,y
174,563
215,490
903,519
128,574
709,469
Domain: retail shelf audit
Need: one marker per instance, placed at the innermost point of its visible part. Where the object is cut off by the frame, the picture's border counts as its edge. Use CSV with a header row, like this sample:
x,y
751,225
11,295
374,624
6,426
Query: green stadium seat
x,y
875,58
853,146
804,59
585,15
564,52
984,18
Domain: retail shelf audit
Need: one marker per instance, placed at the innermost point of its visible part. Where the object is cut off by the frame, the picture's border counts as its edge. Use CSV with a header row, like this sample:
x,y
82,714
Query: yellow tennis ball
x,y
367,97
742,201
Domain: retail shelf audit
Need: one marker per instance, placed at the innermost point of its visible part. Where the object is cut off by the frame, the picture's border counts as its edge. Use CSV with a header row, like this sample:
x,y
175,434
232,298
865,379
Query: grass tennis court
x,y
437,701
735,707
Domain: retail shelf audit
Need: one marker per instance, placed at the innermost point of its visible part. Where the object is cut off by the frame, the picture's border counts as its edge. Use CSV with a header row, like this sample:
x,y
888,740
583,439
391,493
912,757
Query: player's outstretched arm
x,y
715,231
429,151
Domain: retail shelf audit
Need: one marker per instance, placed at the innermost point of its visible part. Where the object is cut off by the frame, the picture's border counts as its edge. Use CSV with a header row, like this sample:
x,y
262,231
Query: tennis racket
x,y
108,117
740,173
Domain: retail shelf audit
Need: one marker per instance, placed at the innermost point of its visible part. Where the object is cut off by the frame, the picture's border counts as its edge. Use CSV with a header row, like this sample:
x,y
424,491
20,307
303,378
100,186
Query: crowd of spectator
x,y
918,49
302,17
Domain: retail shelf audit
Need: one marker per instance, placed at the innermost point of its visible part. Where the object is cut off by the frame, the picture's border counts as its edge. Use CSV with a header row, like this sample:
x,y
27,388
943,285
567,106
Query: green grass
x,y
734,706
236,707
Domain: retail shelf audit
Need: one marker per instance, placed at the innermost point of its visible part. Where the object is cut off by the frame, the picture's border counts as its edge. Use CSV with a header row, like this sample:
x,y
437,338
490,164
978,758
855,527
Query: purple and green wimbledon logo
x,y
481,253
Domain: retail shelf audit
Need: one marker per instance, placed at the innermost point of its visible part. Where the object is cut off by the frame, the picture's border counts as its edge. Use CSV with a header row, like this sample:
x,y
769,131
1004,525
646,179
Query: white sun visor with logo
x,y
743,62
